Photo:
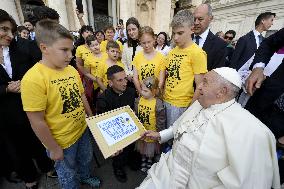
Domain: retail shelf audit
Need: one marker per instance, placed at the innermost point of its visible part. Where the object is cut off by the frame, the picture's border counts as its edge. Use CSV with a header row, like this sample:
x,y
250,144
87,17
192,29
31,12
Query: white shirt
x,y
223,146
7,62
203,37
256,34
32,35
164,51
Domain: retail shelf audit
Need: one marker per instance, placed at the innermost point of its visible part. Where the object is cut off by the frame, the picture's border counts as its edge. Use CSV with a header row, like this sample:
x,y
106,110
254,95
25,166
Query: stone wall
x,y
240,15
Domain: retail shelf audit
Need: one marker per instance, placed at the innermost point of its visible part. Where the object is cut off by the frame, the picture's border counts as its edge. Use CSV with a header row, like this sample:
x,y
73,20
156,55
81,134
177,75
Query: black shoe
x,y
14,178
52,174
120,175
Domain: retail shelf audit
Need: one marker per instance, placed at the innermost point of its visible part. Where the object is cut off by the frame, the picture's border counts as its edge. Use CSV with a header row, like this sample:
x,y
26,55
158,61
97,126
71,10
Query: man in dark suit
x,y
267,101
248,44
214,47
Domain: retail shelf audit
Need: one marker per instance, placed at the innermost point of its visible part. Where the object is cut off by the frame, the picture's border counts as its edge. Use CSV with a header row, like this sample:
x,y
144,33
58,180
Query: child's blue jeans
x,y
76,164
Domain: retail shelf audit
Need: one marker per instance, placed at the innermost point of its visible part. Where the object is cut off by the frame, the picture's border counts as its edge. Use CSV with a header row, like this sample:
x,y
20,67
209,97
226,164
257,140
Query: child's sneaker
x,y
92,181
144,166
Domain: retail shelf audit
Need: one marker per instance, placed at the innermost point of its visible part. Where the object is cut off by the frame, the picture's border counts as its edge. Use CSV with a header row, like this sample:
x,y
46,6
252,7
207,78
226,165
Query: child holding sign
x,y
148,62
151,113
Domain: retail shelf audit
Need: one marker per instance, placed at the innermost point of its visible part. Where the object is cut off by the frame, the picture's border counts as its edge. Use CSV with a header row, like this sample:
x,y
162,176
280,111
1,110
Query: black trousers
x,y
128,157
21,146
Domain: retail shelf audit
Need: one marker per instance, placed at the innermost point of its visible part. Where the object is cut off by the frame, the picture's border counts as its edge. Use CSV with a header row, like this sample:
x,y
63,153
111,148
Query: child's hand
x,y
56,154
154,135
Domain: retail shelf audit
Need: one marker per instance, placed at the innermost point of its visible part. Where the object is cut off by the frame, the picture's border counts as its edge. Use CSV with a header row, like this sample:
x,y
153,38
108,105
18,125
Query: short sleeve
x,y
78,53
33,93
199,62
163,62
120,46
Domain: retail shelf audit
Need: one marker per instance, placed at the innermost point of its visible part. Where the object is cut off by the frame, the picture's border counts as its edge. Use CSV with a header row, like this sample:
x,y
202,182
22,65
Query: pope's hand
x,y
154,135
255,80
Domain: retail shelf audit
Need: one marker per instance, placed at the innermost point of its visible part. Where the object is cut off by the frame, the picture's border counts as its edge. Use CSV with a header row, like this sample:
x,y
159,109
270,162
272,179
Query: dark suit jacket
x,y
11,110
244,50
273,86
215,49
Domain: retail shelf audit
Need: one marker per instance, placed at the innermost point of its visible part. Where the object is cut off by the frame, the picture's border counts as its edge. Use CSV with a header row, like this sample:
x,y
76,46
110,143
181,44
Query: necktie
x,y
197,39
260,37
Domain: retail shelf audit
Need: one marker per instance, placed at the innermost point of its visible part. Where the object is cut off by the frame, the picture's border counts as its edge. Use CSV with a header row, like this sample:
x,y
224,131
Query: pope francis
x,y
217,143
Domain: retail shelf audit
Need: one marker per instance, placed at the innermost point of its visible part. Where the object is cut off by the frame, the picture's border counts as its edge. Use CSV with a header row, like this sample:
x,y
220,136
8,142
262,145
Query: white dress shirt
x,y
6,61
203,37
256,34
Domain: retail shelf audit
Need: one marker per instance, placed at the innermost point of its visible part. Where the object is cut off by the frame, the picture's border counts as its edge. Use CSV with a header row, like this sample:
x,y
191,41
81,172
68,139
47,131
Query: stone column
x,y
60,7
113,10
10,7
162,16
90,12
70,15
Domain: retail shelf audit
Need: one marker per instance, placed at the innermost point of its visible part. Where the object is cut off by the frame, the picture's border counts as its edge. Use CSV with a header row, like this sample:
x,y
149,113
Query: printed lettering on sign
x,y
117,128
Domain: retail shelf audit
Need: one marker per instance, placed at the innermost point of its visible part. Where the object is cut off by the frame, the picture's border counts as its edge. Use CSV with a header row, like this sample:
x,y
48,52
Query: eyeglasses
x,y
228,37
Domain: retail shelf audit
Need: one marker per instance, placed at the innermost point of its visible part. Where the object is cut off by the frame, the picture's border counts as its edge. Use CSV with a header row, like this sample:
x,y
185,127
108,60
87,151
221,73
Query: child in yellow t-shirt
x,y
186,63
148,62
82,52
109,35
113,56
151,113
54,100
93,61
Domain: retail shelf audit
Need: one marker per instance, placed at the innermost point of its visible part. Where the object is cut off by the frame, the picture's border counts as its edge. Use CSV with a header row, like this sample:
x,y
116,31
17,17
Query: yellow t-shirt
x,y
181,66
58,94
102,70
104,44
147,114
93,62
83,52
147,68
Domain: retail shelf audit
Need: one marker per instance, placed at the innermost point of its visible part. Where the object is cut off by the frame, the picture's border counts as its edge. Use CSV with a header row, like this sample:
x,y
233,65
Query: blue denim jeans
x,y
76,164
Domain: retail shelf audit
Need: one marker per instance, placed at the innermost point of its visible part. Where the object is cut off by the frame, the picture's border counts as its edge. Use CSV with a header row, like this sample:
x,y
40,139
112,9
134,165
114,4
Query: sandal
x,y
92,181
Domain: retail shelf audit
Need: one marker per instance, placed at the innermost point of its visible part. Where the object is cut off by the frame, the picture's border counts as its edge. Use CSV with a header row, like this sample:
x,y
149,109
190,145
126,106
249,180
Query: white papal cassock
x,y
223,146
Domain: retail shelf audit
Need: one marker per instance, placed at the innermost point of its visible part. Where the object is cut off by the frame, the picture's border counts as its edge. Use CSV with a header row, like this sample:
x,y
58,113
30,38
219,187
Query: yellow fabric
x,y
147,114
104,44
147,68
93,62
181,66
102,70
83,52
58,94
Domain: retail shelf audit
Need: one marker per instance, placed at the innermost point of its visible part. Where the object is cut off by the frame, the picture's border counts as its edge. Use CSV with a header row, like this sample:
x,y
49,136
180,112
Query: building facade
x,y
238,15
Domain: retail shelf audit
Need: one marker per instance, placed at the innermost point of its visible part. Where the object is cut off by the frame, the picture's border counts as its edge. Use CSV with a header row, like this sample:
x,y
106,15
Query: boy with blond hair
x,y
186,63
54,100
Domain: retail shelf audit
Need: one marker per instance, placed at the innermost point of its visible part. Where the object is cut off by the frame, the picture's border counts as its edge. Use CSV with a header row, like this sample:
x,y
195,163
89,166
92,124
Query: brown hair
x,y
89,39
112,44
48,32
110,27
146,30
4,16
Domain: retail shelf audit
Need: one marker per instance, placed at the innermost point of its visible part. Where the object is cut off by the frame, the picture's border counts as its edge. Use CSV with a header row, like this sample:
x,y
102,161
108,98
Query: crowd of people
x,y
188,89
